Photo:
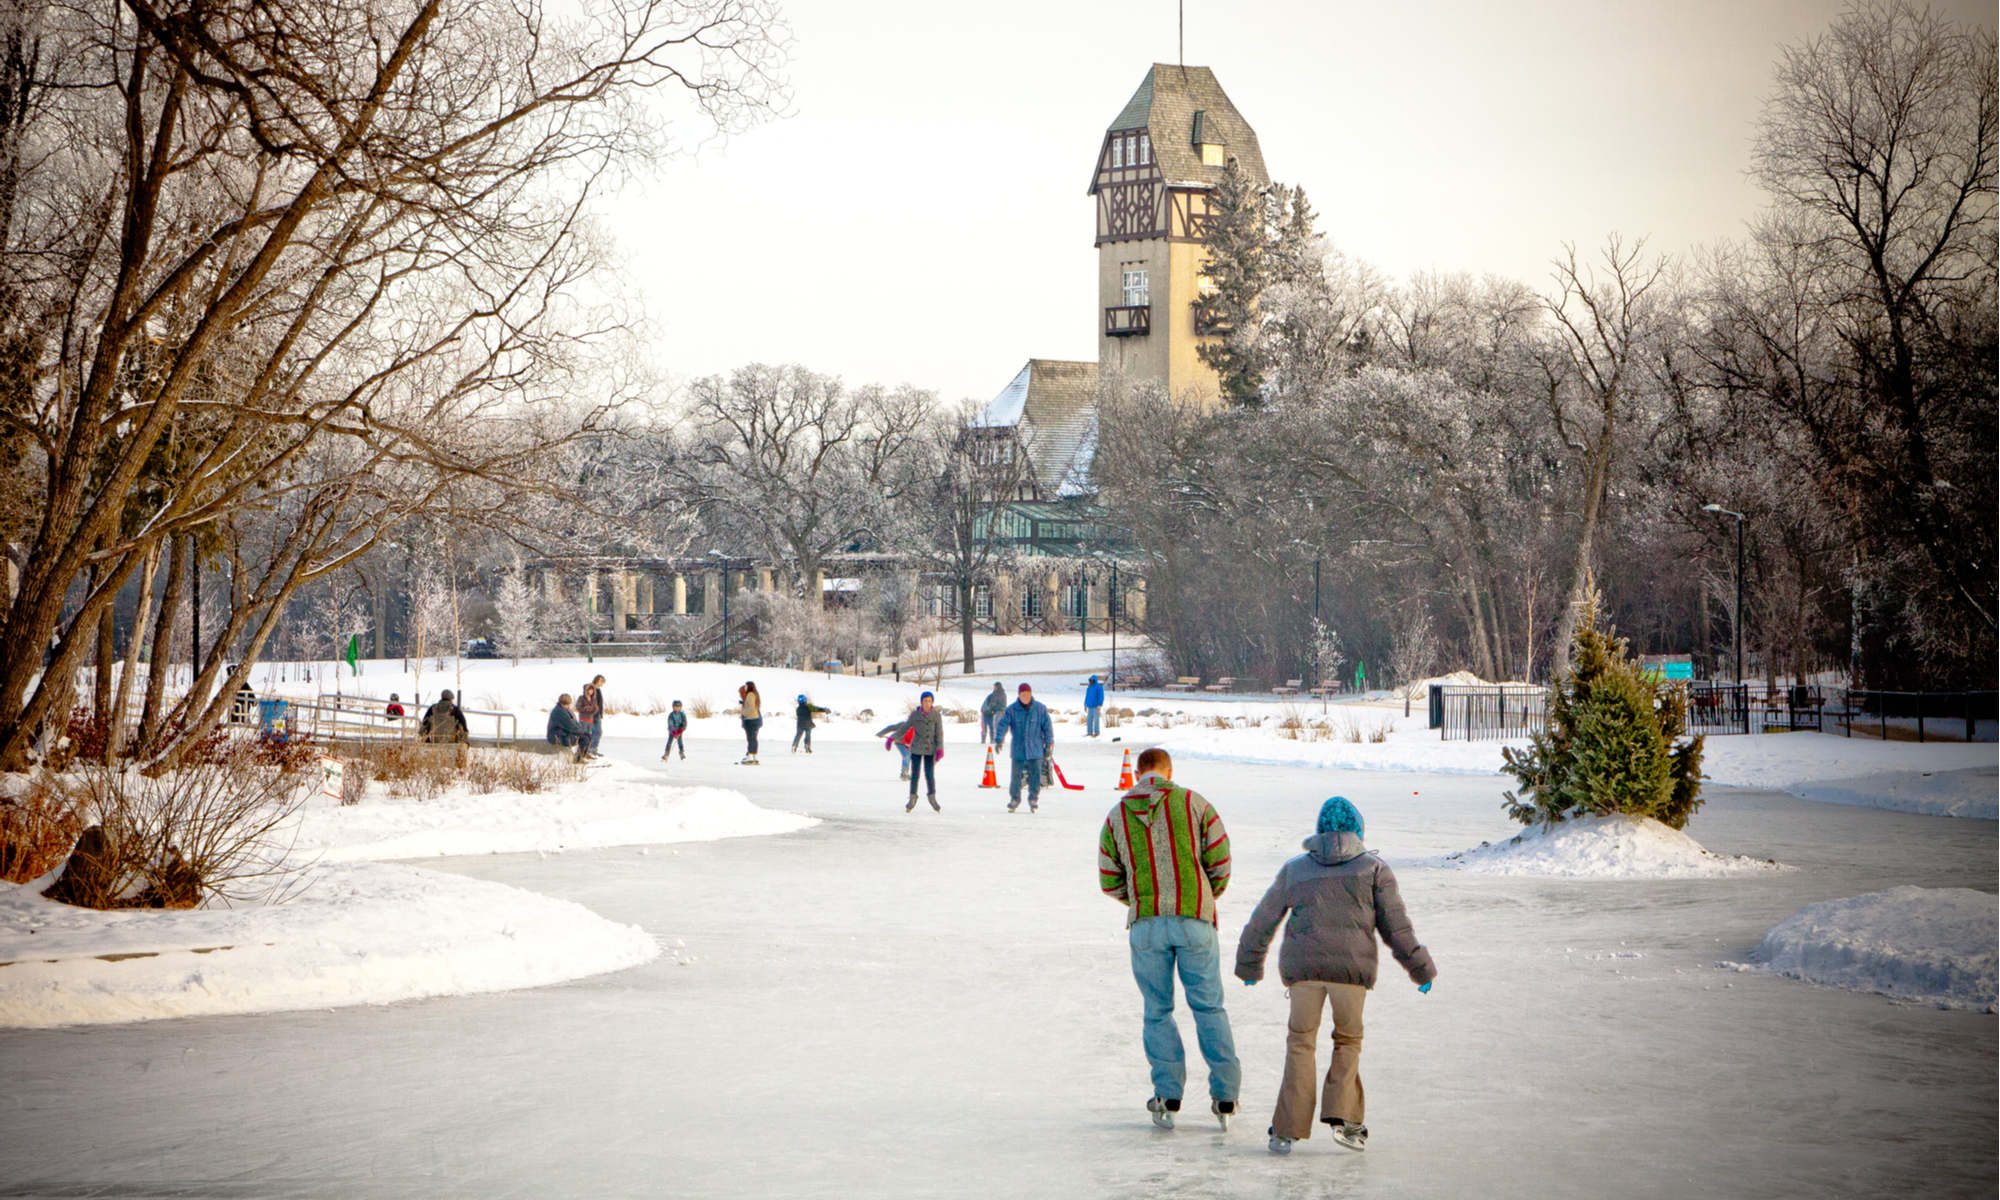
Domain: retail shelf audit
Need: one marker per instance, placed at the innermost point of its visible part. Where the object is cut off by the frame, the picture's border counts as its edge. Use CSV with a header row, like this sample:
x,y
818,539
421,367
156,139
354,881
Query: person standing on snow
x,y
924,732
803,715
443,721
590,715
1093,706
1340,897
677,727
989,713
753,720
1027,719
896,736
1164,855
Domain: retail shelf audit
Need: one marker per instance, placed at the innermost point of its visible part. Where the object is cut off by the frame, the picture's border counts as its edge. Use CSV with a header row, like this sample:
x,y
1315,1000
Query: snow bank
x,y
1934,793
617,804
1935,945
1612,847
361,934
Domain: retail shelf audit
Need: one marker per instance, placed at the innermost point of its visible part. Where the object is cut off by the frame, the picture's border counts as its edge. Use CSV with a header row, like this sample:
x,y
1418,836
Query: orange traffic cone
x,y
1125,774
991,780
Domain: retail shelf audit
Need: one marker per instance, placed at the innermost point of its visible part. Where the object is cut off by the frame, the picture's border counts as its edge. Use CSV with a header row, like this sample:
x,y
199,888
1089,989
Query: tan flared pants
x,y
1341,1096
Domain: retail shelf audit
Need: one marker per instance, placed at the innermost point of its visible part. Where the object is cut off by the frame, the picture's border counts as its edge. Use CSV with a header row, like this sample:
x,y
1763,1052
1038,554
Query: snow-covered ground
x,y
1935,945
940,1004
367,933
1608,847
1974,792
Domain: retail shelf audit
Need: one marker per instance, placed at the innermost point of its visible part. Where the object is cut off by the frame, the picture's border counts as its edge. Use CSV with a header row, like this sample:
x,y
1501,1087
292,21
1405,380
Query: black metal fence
x,y
1474,714
1717,709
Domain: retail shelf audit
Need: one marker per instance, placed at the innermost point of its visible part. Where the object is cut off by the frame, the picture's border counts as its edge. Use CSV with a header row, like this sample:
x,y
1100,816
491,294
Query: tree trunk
x,y
162,661
142,612
965,622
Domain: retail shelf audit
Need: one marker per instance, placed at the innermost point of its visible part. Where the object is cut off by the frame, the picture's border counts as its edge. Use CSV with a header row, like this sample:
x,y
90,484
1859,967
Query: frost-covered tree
x,y
515,613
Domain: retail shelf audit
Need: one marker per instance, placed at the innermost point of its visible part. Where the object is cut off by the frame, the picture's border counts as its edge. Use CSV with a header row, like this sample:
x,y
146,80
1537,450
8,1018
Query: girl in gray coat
x,y
1340,897
925,729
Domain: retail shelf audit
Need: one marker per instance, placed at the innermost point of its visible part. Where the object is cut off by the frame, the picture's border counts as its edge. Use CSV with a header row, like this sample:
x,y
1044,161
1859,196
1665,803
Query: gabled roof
x,y
1052,406
1165,105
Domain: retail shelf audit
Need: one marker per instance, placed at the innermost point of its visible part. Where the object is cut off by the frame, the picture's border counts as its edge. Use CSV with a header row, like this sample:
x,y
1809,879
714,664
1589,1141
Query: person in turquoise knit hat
x,y
1340,897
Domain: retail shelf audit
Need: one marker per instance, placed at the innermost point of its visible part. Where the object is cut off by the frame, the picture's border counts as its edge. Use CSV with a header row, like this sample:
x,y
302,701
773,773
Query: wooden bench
x,y
1225,684
1289,688
1186,683
1327,689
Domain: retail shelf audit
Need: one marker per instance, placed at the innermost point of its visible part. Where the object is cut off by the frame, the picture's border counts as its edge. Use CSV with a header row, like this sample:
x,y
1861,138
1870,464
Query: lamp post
x,y
1736,618
1113,611
725,601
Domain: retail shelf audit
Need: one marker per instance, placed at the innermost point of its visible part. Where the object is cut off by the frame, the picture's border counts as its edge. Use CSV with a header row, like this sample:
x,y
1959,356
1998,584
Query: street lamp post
x,y
1736,618
1113,610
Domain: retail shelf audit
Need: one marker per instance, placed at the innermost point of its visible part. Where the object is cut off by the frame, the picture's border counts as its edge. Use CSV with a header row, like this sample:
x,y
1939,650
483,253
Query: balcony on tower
x,y
1128,320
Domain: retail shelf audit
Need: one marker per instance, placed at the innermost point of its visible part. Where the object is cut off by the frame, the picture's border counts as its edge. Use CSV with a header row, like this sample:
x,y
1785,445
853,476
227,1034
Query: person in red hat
x,y
1027,720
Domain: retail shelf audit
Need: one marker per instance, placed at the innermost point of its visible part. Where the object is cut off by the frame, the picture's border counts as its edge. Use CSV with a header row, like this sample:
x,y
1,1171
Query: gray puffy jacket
x,y
926,731
1340,896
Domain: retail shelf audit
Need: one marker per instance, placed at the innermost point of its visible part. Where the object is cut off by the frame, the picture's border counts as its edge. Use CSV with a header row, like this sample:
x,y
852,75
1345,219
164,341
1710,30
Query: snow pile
x,y
1930,944
362,934
1420,689
1609,847
618,804
1935,793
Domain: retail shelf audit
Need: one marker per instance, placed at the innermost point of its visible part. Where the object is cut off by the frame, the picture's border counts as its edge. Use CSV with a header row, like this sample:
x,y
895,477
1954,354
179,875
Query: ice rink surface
x,y
940,1005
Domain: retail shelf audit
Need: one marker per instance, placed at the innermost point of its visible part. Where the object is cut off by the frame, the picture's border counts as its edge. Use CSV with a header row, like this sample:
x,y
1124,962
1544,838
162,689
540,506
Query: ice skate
x,y
1354,1137
1163,1111
934,803
1280,1145
1223,1110
912,805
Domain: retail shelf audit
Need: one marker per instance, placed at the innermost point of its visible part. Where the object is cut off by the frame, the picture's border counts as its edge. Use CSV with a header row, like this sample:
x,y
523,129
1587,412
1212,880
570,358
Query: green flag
x,y
354,653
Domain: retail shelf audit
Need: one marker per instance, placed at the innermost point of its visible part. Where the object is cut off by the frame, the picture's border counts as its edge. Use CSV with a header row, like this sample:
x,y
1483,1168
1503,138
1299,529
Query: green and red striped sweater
x,y
1163,853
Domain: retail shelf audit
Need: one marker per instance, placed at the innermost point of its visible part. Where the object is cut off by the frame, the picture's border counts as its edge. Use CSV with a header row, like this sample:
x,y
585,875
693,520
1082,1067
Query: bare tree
x,y
1602,323
314,263
797,461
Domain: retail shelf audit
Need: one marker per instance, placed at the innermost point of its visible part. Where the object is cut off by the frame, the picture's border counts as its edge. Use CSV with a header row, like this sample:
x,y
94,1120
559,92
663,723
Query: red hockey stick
x,y
1074,787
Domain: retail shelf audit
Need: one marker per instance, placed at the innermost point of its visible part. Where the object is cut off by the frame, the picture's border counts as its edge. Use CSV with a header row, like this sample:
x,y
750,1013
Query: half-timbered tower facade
x,y
1156,166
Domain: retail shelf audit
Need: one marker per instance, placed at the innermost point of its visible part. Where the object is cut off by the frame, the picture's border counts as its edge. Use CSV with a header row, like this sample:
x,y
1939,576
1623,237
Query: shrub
x,y
39,822
1610,743
211,825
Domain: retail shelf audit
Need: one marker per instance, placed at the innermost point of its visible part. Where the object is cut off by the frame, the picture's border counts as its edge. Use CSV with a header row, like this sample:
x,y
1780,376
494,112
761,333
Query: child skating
x,y
1339,897
677,727
803,715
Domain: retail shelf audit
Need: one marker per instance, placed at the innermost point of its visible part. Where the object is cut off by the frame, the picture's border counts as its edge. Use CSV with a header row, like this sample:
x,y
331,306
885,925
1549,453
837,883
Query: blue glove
x,y
1249,983
1424,988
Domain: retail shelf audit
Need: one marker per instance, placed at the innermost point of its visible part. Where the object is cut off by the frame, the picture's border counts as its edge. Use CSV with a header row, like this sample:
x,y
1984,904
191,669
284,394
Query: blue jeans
x,y
1159,945
986,723
1024,769
1091,716
905,752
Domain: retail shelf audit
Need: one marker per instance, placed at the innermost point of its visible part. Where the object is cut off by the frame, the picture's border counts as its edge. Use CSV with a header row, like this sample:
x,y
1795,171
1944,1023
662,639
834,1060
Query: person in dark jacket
x,y
677,727
989,713
1027,720
590,714
564,729
894,737
925,733
803,715
443,721
1340,897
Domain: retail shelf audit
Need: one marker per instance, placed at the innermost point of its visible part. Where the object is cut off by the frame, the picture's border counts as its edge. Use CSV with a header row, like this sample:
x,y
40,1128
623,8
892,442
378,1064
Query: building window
x,y
1118,152
1145,148
1031,605
1211,155
1136,293
982,603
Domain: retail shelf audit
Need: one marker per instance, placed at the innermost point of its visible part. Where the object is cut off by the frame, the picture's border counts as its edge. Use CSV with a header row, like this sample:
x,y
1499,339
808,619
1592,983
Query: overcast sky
x,y
920,215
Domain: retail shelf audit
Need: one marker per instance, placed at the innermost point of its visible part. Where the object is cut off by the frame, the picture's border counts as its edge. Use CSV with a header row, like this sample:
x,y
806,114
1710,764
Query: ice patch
x,y
1610,847
1935,945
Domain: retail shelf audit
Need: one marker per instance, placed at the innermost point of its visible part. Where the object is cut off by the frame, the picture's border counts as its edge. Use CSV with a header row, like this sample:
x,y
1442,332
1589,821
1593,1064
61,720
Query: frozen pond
x,y
891,1004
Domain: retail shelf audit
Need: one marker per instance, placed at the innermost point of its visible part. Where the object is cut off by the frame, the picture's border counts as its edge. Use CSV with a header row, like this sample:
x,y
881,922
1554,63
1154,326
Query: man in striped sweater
x,y
1165,856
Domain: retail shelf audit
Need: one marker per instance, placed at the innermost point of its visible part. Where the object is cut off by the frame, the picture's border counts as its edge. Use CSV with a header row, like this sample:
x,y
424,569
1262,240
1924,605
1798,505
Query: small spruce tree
x,y
1612,745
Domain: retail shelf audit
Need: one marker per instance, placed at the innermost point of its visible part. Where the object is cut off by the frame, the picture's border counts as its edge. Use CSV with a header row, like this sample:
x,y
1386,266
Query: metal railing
x,y
362,718
1919,716
1473,714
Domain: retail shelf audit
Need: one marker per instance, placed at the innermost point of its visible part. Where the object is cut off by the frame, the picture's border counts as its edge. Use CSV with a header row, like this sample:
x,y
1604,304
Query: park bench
x,y
1225,684
1186,683
1327,689
1289,688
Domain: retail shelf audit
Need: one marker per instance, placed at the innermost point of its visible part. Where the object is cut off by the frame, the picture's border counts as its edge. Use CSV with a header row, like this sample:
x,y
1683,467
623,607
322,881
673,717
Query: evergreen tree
x,y
1610,742
1239,238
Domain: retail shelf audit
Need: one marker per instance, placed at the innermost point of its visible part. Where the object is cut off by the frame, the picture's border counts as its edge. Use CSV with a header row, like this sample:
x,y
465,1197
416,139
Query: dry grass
x,y
701,707
513,771
650,706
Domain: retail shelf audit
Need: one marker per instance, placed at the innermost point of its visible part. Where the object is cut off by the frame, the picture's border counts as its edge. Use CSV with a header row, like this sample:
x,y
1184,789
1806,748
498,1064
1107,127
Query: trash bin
x,y
273,718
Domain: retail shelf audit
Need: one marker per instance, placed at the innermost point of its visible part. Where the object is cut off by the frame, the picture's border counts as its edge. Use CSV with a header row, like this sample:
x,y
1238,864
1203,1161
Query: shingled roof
x,y
1052,406
1165,105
